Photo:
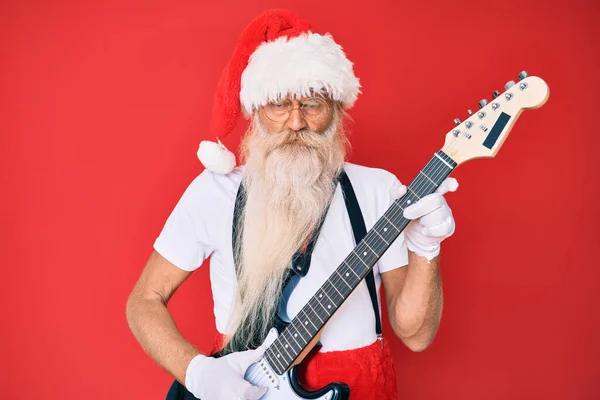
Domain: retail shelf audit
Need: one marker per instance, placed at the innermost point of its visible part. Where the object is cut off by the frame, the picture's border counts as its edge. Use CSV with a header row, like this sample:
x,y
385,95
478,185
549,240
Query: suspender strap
x,y
238,211
359,229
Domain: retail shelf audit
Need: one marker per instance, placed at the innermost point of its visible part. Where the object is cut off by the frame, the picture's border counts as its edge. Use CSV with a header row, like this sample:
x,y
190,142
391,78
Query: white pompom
x,y
215,157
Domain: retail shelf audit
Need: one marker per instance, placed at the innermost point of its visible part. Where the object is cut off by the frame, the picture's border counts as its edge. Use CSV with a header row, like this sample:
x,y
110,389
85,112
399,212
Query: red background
x,y
103,105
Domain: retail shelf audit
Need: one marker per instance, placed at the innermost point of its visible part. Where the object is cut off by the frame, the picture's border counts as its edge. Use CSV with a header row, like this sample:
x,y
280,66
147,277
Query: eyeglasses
x,y
313,109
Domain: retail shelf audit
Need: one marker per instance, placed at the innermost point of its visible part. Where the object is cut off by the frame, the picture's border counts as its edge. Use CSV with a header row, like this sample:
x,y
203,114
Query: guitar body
x,y
287,386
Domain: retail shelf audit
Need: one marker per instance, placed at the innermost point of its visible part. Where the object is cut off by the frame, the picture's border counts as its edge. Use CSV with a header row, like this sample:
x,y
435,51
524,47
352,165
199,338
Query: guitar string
x,y
335,279
377,246
419,184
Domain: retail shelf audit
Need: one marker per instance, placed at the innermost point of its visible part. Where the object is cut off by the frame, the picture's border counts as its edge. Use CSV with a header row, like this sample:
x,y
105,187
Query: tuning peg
x,y
483,103
523,75
457,121
509,84
495,94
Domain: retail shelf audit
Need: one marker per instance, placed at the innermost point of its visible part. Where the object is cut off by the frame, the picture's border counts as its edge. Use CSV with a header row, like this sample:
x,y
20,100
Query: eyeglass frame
x,y
294,107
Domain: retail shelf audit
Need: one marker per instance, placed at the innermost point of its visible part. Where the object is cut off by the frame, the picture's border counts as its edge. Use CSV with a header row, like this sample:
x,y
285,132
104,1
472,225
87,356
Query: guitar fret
x,y
324,314
280,352
396,204
360,259
350,268
306,322
328,296
284,346
357,264
333,293
367,244
341,276
278,342
315,312
345,270
307,331
426,176
321,304
288,342
296,334
274,357
414,194
382,238
332,285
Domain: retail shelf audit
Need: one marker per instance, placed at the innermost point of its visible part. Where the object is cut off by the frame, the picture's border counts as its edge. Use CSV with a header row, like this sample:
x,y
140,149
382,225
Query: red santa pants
x,y
369,371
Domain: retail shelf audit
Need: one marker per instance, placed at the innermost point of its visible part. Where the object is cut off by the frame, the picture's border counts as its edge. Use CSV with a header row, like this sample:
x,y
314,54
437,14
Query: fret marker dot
x,y
385,229
320,295
408,202
328,305
347,274
365,253
295,335
305,322
286,346
278,355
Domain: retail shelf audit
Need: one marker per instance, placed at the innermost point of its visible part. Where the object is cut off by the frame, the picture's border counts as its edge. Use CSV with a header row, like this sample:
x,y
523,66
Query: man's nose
x,y
296,120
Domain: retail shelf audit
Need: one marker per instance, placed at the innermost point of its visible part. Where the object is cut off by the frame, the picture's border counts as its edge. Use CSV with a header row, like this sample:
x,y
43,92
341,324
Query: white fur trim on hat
x,y
295,66
215,157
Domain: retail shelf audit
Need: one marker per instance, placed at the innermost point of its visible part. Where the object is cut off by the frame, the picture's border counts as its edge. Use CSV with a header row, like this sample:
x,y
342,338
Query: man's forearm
x,y
154,328
418,308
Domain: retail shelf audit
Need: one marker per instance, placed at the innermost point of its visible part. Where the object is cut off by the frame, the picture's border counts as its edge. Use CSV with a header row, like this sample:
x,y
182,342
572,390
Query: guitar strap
x,y
301,261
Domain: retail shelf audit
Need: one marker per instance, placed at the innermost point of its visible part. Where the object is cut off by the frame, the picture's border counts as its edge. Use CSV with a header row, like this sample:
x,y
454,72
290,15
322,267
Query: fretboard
x,y
332,294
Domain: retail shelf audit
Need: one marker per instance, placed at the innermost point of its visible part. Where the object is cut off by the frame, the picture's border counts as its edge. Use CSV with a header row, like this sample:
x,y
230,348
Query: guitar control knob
x,y
457,121
509,84
469,112
523,75
495,94
483,103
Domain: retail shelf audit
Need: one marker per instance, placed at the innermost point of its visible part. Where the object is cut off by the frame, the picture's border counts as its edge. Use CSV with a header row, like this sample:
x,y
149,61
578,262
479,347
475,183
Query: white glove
x,y
431,217
222,378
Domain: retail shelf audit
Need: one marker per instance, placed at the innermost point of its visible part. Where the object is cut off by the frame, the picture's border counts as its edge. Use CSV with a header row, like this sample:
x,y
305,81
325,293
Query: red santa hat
x,y
278,54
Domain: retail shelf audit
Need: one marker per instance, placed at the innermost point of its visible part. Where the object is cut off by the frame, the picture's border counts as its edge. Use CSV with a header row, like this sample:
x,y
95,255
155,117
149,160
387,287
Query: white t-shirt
x,y
200,226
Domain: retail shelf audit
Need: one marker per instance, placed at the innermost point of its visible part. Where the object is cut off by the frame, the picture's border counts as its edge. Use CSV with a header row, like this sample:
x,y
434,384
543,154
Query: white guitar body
x,y
286,386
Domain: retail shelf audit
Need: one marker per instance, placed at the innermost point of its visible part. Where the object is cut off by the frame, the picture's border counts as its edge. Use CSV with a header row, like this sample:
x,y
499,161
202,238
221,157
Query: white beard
x,y
290,178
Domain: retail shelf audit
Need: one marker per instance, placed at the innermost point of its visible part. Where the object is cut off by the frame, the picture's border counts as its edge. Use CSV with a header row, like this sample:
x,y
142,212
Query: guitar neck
x,y
331,295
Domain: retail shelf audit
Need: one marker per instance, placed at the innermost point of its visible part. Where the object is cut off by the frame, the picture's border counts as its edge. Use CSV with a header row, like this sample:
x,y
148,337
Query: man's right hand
x,y
222,378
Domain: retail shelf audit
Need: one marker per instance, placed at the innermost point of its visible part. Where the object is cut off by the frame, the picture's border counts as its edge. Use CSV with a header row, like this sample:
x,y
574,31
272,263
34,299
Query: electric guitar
x,y
481,135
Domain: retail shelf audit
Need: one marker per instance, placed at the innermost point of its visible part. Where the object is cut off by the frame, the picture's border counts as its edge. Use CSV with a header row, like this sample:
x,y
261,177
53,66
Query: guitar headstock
x,y
484,132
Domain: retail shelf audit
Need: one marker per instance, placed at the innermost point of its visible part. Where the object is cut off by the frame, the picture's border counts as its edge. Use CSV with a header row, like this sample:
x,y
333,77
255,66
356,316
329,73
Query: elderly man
x,y
276,228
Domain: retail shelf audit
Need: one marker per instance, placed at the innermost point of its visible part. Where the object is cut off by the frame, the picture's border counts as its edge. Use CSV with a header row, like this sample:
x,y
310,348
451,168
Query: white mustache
x,y
303,139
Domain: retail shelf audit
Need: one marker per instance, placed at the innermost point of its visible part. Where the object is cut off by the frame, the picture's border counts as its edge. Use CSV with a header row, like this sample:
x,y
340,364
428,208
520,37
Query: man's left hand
x,y
432,220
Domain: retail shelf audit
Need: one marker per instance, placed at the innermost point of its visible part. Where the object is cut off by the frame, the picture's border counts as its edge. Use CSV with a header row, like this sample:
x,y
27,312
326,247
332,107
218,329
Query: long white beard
x,y
290,178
